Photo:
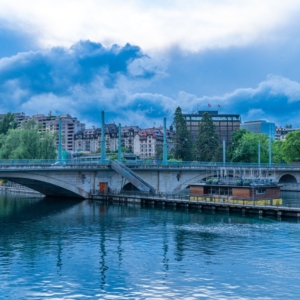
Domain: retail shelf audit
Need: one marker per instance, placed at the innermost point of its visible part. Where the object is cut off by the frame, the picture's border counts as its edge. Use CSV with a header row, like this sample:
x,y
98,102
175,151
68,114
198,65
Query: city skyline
x,y
139,61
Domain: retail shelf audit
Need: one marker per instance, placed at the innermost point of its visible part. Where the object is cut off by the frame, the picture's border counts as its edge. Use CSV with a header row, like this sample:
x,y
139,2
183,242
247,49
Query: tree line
x,y
27,142
243,148
31,142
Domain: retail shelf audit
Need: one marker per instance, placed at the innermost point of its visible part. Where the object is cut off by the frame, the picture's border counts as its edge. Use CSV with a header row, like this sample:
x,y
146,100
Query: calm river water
x,y
64,249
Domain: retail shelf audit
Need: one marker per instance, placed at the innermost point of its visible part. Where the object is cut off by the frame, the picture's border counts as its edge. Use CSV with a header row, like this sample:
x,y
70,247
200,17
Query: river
x,y
68,249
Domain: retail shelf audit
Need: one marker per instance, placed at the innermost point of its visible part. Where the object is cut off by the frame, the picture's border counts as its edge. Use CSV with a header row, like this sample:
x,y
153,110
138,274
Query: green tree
x,y
182,142
125,150
247,149
8,122
277,152
27,143
291,146
235,142
207,146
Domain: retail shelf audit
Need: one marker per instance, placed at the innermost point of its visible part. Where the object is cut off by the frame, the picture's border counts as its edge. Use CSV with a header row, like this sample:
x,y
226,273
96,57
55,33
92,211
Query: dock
x,y
208,204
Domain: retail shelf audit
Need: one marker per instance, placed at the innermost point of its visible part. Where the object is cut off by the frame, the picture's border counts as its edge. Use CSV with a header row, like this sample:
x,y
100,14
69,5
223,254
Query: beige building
x,y
141,142
90,139
128,134
148,142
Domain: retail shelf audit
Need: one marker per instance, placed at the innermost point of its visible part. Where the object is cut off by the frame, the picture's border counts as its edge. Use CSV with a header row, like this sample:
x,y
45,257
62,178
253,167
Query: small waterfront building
x,y
262,194
245,192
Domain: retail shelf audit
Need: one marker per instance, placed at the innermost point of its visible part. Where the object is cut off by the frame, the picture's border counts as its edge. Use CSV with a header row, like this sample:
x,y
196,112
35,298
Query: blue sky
x,y
139,60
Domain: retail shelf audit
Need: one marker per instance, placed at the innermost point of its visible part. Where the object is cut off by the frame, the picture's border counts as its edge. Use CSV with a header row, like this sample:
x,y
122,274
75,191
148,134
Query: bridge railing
x,y
143,163
197,164
48,162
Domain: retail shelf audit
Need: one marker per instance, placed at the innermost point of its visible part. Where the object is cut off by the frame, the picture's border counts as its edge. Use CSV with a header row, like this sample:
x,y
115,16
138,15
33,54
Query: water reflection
x,y
70,249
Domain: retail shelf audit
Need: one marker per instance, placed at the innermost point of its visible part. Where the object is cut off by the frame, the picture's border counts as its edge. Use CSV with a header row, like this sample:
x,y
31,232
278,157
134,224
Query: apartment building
x,y
90,139
19,118
148,141
128,134
70,125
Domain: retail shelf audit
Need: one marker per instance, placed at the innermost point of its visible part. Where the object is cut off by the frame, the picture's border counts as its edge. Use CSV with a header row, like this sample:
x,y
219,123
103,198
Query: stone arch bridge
x,y
79,180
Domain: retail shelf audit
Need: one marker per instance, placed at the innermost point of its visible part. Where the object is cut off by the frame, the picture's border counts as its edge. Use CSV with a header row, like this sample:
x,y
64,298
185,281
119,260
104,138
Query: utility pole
x,y
270,151
224,153
119,145
259,154
165,149
103,157
60,139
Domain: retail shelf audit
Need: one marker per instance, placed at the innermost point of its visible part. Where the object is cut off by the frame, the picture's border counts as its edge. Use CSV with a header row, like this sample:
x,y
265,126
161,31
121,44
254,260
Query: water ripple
x,y
89,250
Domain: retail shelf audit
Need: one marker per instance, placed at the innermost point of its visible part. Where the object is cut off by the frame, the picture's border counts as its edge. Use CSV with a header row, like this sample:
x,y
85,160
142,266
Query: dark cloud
x,y
56,70
134,89
84,78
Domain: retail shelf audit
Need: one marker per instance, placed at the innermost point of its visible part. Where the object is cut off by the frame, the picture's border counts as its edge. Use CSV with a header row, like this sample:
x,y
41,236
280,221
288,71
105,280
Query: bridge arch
x,y
46,185
287,178
129,187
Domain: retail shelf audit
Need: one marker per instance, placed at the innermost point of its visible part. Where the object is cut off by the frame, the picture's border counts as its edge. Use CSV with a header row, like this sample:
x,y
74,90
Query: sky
x,y
139,60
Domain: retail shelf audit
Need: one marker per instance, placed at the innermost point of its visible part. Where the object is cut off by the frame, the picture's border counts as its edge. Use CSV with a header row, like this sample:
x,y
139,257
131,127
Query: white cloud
x,y
192,25
255,114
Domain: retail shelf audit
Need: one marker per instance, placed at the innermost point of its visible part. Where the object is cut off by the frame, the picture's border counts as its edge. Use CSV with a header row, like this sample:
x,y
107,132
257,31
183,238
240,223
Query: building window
x,y
260,191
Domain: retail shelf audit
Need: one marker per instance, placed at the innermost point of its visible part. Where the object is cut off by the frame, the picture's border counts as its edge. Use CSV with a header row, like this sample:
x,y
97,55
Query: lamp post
x,y
224,153
270,152
102,158
165,154
259,154
60,140
119,145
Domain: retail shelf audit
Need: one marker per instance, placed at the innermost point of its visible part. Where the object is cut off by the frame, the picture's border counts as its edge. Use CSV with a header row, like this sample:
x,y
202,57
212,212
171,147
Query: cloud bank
x,y
87,77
